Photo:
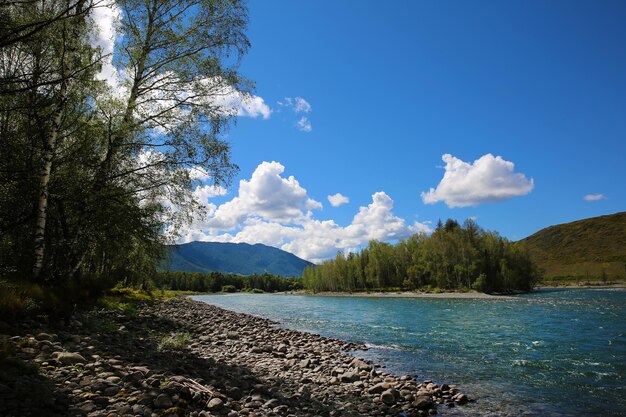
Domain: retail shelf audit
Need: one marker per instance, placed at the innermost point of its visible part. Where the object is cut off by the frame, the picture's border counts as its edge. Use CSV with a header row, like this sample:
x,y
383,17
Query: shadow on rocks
x,y
182,382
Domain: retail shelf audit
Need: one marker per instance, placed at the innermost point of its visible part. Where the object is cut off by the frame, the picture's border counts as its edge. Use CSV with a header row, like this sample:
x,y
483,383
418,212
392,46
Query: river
x,y
555,352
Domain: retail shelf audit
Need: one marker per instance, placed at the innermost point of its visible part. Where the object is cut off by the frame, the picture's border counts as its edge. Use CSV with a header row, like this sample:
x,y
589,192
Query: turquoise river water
x,y
549,353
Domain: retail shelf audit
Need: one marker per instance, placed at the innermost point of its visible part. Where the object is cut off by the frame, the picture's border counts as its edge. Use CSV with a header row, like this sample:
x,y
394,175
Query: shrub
x,y
481,283
229,288
174,341
19,299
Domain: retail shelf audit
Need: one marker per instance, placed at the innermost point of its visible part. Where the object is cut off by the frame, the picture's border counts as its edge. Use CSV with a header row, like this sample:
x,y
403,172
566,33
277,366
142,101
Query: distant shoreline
x,y
401,294
443,295
598,286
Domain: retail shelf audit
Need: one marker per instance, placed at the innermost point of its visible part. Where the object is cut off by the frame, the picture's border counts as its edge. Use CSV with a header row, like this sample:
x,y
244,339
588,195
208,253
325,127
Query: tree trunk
x,y
44,180
50,146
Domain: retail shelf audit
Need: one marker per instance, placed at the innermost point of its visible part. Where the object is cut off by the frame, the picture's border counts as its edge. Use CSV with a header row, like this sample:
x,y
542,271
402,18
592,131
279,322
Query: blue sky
x,y
387,89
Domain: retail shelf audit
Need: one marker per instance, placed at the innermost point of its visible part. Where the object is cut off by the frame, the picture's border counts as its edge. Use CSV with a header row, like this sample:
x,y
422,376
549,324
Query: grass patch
x,y
19,299
128,300
174,341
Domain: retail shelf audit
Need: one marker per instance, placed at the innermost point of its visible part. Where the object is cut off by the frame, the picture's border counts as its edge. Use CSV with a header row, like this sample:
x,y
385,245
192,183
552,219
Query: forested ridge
x,y
94,171
453,257
233,258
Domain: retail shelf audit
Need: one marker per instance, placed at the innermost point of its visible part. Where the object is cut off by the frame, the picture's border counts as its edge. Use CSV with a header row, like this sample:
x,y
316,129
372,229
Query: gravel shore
x,y
186,358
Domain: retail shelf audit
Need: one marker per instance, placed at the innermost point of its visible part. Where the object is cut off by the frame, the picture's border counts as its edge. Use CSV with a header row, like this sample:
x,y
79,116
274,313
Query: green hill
x,y
233,258
585,249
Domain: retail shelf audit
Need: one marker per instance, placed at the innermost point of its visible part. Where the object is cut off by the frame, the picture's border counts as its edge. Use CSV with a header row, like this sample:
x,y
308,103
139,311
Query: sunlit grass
x,y
174,341
127,300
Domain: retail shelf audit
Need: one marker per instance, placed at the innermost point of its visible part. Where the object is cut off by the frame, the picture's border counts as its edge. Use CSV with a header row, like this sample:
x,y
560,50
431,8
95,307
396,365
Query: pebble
x,y
236,365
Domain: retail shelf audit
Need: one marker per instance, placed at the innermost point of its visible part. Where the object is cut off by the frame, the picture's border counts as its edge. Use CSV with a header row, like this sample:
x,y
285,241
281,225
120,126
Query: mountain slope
x,y
235,258
584,248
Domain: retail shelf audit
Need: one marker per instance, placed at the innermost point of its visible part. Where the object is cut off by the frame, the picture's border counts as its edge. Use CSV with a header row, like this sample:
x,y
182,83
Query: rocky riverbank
x,y
187,358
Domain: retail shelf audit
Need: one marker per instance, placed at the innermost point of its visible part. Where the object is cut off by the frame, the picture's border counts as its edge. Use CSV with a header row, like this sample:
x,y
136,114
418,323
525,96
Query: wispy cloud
x,y
304,124
302,106
594,197
299,106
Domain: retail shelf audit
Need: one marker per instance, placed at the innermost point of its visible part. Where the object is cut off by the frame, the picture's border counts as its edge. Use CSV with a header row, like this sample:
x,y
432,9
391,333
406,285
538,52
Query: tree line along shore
x,y
454,257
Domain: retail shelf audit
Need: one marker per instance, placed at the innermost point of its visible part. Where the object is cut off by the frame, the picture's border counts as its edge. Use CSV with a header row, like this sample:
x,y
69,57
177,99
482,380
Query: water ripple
x,y
557,352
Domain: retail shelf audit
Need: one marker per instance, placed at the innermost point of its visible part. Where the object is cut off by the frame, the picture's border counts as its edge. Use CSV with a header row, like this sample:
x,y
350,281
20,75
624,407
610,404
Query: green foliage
x,y
108,303
19,298
582,250
454,257
481,283
229,288
174,341
215,281
84,170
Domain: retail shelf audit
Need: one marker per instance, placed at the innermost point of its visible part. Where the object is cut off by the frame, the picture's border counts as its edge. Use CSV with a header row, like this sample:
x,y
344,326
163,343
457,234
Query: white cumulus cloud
x,y
267,195
488,179
277,211
337,200
105,17
594,197
244,105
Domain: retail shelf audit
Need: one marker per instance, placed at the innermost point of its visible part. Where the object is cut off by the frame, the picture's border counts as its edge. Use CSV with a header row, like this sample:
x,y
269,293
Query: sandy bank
x,y
404,294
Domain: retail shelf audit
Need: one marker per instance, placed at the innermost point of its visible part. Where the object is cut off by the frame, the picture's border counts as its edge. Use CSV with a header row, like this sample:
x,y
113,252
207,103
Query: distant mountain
x,y
234,258
584,248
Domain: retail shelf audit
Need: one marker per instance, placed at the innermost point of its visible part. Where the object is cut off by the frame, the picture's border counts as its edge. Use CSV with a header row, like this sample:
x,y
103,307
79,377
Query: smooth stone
x,y
111,391
45,336
423,403
379,388
361,365
215,404
388,398
163,401
69,358
461,399
349,377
